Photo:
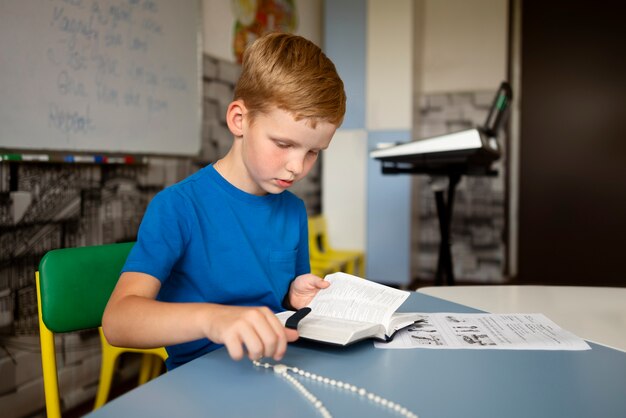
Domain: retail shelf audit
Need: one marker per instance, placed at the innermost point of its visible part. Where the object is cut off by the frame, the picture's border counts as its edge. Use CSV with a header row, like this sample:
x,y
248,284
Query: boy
x,y
222,250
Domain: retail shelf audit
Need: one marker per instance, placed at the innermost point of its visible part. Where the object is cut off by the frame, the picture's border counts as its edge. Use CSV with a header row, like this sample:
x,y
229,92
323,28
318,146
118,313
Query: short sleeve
x,y
162,236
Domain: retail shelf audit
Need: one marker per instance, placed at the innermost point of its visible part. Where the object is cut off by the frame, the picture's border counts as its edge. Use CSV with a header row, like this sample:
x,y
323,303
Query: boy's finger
x,y
291,334
280,345
235,348
322,284
245,336
254,345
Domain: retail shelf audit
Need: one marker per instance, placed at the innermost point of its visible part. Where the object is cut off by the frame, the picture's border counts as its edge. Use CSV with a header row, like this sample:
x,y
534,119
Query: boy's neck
x,y
229,167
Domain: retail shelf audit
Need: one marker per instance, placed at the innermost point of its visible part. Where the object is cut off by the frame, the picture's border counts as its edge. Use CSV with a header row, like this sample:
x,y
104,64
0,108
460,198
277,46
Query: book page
x,y
356,299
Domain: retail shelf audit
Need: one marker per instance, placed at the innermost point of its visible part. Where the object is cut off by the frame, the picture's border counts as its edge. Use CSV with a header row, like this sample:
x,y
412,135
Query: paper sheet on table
x,y
486,331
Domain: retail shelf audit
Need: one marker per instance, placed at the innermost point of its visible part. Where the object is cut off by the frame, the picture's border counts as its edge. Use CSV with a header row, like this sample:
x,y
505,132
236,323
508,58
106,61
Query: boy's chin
x,y
270,189
275,190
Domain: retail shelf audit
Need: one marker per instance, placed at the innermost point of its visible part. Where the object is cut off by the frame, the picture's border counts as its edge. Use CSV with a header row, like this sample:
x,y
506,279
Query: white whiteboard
x,y
101,75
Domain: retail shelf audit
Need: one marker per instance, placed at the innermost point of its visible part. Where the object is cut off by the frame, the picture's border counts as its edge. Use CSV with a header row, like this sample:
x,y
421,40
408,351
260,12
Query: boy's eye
x,y
282,144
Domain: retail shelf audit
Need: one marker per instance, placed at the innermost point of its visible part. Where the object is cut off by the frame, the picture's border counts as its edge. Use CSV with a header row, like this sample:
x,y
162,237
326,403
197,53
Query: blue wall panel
x,y
344,43
388,217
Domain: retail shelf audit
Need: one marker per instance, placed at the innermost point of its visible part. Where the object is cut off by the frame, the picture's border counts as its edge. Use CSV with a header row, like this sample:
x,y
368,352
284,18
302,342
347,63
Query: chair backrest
x,y
76,283
318,237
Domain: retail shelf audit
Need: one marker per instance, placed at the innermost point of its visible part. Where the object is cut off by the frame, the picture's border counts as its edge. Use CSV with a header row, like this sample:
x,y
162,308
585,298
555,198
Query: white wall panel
x,y
389,75
344,173
465,45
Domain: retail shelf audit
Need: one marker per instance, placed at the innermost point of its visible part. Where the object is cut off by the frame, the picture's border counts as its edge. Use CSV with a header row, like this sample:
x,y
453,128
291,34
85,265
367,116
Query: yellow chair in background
x,y
321,250
73,288
323,267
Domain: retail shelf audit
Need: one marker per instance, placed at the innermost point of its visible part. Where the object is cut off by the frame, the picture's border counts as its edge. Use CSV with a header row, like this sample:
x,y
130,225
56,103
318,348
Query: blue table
x,y
431,383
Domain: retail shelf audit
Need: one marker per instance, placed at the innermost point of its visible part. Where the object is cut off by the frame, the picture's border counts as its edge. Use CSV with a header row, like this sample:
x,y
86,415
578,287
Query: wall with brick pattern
x,y
478,221
44,206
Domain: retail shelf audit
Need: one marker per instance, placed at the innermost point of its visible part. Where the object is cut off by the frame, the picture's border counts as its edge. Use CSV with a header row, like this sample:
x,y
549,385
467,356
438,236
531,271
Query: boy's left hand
x,y
304,288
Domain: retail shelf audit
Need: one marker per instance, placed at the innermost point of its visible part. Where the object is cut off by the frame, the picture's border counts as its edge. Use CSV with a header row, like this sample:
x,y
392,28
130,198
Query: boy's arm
x,y
133,318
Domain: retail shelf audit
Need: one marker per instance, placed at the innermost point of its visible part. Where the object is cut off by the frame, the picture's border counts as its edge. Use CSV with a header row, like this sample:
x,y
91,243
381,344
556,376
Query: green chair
x,y
73,288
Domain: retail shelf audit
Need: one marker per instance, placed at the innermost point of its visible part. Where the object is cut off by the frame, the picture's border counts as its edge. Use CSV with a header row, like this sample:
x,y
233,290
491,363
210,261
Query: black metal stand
x,y
445,206
445,271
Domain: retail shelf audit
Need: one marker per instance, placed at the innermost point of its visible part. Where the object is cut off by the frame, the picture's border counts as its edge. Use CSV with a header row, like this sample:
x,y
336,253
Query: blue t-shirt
x,y
207,241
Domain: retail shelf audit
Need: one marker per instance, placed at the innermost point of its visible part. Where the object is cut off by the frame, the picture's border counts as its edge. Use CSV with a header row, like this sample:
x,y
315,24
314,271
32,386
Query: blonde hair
x,y
293,74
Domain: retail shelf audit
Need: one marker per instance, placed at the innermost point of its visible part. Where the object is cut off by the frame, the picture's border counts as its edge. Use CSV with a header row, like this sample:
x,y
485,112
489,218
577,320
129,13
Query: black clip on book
x,y
293,320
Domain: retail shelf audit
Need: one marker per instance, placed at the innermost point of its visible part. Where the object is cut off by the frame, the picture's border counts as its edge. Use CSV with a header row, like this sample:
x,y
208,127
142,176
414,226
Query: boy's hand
x,y
255,328
304,288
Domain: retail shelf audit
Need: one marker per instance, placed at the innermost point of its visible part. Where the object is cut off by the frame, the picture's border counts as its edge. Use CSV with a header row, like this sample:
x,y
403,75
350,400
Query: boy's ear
x,y
234,117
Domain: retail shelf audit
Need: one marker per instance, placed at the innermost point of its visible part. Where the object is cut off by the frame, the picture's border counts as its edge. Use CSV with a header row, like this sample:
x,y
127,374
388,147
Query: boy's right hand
x,y
253,329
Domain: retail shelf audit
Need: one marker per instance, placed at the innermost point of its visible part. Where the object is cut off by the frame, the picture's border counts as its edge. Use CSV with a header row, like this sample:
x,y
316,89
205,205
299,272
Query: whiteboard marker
x,y
35,157
10,157
79,159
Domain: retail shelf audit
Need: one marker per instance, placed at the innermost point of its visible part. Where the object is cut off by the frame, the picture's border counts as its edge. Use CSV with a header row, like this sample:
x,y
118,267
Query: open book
x,y
352,309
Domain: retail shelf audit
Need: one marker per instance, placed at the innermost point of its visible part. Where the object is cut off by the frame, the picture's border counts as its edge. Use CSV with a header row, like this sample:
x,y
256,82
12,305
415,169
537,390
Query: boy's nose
x,y
295,166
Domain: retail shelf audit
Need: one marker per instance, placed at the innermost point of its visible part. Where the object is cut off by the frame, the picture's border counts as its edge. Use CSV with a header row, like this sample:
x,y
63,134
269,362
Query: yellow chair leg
x,y
48,363
151,362
107,370
145,371
51,386
157,364
350,266
362,266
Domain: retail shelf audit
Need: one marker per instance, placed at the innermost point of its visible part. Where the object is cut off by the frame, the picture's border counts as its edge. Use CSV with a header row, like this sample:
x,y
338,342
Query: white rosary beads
x,y
283,370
